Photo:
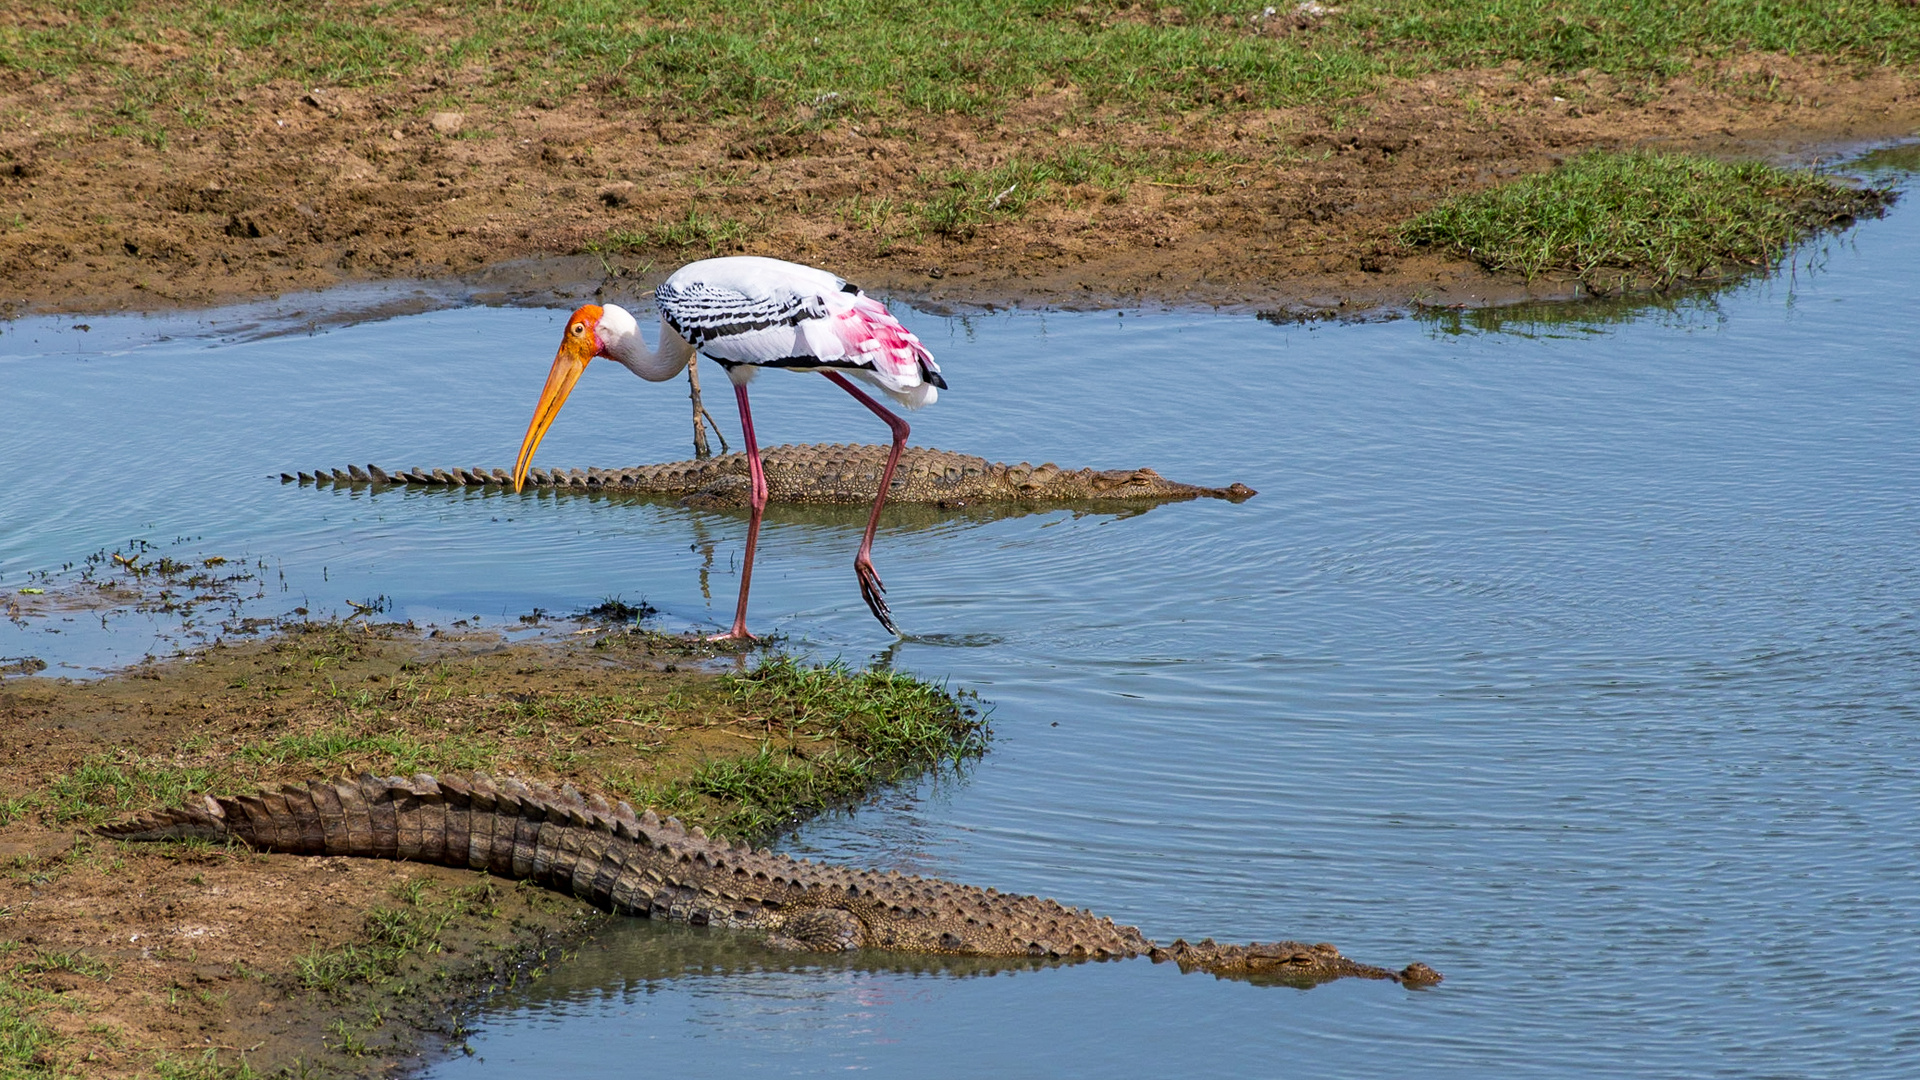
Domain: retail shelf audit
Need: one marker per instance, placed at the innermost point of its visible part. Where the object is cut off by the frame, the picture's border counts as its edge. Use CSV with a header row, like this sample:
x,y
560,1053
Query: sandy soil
x,y
294,188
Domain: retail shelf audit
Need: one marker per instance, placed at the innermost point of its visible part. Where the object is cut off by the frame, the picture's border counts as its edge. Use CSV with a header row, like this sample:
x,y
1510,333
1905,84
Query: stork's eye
x,y
579,328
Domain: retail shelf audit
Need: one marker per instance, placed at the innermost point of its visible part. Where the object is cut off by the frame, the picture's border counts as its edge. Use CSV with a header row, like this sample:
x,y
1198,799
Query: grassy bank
x,y
181,153
880,58
343,967
1619,221
821,734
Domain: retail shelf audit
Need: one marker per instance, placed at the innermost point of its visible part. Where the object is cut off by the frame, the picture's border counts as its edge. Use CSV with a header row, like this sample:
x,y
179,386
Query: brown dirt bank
x,y
116,957
290,187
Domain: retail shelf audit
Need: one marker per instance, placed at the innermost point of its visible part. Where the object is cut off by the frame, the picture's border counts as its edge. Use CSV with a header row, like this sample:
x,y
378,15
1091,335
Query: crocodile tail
x,y
584,846
376,817
203,818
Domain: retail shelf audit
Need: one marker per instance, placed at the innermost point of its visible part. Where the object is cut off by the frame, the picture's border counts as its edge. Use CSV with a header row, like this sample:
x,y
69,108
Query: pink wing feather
x,y
748,311
873,336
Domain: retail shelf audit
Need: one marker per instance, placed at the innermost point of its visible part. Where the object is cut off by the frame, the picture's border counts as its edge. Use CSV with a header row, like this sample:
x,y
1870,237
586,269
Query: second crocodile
x,y
639,864
818,474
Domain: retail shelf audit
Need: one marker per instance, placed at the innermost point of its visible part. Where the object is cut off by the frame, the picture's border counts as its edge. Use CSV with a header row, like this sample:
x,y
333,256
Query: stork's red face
x,y
579,344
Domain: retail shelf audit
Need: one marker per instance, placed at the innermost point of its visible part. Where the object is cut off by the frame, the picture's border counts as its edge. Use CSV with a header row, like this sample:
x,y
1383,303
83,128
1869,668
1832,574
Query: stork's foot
x,y
738,633
873,592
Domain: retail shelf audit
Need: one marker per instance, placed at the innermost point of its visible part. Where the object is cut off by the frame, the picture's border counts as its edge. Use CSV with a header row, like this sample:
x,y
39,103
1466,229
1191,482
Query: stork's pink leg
x,y
871,589
757,500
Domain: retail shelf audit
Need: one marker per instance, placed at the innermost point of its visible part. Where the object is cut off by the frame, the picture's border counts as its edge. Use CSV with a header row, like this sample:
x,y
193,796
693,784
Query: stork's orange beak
x,y
578,345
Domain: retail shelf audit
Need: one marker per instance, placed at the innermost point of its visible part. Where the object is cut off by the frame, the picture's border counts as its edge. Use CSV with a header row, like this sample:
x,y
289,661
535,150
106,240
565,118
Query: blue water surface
x,y
1578,659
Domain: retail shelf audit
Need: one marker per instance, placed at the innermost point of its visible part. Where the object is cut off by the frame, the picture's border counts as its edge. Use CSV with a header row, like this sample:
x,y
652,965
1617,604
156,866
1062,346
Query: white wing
x,y
769,313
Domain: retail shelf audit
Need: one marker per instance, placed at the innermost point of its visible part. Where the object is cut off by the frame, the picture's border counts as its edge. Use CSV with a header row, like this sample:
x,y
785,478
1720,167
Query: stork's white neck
x,y
621,342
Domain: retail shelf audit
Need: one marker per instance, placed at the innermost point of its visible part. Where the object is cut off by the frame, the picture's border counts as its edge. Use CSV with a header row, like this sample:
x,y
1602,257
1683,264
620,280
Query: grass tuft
x,y
24,1035
614,609
15,807
694,231
846,732
1617,220
205,1067
77,962
103,786
393,934
884,715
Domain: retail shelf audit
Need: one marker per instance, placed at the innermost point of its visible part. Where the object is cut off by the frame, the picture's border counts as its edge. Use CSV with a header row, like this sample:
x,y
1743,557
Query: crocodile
x,y
817,474
638,864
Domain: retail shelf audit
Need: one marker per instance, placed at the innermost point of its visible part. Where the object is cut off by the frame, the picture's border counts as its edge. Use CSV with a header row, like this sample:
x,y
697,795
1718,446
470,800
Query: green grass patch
x,y
709,233
205,1067
15,807
880,714
1622,220
348,748
26,1041
867,728
833,735
1629,36
759,794
392,935
77,962
104,786
24,1036
704,59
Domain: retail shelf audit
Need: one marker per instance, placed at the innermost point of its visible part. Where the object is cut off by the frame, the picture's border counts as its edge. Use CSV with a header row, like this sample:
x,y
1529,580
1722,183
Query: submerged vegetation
x,y
1616,220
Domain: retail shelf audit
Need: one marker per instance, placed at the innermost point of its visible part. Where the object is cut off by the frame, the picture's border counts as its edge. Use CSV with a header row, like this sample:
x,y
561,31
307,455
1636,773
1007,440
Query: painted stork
x,y
749,313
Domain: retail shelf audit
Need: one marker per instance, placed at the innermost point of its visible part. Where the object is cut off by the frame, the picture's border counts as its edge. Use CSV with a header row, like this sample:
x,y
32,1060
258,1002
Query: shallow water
x,y
1578,660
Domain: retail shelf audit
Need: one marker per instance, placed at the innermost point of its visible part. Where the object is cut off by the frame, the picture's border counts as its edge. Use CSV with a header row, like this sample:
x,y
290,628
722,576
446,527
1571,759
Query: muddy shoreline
x,y
292,189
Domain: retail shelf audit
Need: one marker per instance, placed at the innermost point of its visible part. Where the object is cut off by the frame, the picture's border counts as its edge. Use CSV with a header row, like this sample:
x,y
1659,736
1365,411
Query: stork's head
x,y
587,335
